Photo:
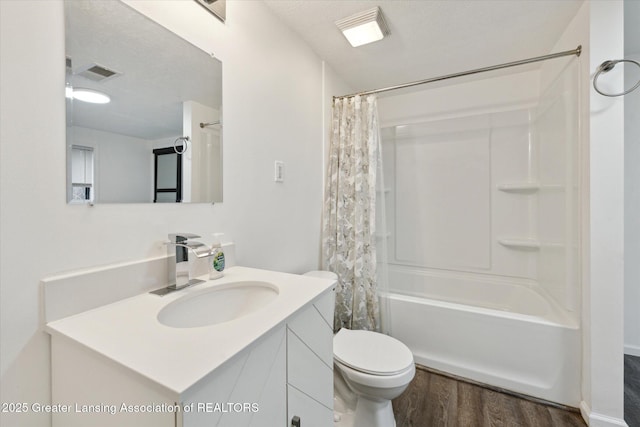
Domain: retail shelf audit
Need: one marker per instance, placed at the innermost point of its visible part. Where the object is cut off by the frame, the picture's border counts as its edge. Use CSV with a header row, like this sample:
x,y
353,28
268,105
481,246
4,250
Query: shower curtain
x,y
349,229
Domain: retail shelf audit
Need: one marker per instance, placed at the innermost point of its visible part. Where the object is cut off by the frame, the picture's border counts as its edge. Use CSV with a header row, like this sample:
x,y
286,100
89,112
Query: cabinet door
x,y
250,390
310,364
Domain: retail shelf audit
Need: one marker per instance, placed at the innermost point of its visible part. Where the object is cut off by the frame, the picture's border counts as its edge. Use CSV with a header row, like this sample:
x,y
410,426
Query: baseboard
x,y
632,350
598,420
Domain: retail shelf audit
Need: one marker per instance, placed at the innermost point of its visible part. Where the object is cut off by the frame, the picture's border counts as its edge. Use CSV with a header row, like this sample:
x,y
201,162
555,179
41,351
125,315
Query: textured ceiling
x,y
428,37
159,70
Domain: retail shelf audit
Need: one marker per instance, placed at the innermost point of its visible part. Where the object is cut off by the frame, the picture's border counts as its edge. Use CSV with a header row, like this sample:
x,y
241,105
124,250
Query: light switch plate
x,y
279,171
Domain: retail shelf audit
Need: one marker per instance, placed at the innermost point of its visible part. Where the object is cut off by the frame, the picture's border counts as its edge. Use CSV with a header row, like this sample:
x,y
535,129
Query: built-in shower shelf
x,y
530,244
519,187
380,235
386,190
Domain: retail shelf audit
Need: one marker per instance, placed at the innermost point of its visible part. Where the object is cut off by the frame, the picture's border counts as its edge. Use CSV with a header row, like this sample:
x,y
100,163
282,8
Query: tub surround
x,y
484,228
507,210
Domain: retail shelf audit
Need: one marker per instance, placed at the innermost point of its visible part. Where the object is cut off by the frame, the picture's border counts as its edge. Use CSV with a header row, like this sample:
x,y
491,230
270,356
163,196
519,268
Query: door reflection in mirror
x,y
167,175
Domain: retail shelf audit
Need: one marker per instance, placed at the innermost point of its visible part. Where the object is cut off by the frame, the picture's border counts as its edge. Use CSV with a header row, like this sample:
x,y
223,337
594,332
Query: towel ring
x,y
184,147
607,66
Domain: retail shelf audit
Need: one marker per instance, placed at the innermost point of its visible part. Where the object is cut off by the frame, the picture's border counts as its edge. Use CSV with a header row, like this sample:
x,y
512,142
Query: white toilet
x,y
370,369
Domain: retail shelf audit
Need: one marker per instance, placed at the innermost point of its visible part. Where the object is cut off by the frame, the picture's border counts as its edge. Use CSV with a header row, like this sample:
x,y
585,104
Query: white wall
x,y
603,246
632,185
273,111
122,167
598,28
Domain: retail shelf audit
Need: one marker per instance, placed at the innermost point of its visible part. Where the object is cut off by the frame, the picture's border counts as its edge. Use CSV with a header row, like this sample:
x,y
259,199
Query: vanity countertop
x,y
129,333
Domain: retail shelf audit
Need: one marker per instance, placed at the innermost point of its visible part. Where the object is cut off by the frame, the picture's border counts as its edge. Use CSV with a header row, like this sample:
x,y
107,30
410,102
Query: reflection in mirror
x,y
82,174
145,90
217,7
168,175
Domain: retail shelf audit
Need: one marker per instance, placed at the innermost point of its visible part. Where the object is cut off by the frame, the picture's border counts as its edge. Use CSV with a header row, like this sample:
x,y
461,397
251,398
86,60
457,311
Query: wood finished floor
x,y
632,390
434,400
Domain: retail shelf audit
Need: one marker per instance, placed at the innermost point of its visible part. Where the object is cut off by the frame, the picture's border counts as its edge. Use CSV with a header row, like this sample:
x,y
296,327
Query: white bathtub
x,y
509,336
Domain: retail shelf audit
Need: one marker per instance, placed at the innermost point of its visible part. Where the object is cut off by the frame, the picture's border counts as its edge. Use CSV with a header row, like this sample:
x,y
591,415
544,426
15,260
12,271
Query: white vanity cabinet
x,y
292,369
112,370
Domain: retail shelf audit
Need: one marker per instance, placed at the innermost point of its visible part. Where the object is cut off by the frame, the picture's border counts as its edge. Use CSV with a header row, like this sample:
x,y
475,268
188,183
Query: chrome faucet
x,y
182,271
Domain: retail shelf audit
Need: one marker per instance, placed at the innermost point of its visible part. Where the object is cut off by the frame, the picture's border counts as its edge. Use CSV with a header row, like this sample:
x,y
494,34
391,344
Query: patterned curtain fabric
x,y
349,241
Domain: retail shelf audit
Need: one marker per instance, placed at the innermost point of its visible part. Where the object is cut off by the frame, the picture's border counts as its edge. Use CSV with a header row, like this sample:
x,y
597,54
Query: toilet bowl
x,y
376,368
370,369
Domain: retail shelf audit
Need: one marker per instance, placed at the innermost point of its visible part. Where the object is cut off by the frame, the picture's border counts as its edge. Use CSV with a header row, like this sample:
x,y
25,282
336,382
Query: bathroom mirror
x,y
158,139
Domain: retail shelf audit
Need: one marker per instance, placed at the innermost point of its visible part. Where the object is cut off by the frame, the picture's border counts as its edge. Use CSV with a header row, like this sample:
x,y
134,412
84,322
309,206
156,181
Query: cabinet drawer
x,y
313,330
307,372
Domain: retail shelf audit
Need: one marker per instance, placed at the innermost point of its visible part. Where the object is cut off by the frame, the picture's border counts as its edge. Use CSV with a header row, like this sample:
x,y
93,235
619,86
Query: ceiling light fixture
x,y
91,96
364,27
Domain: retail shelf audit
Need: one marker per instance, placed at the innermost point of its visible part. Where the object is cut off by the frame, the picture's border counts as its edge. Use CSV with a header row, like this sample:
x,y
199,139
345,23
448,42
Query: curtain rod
x,y
577,51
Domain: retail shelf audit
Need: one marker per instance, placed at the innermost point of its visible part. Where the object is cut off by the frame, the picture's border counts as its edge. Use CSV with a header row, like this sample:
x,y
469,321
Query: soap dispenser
x,y
217,257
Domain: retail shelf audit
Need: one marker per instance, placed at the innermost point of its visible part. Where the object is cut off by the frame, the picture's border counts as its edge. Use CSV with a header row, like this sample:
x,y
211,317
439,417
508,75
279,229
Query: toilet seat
x,y
371,353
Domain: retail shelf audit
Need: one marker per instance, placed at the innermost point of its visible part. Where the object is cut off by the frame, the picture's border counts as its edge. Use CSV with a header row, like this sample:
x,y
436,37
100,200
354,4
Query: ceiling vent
x,y
97,73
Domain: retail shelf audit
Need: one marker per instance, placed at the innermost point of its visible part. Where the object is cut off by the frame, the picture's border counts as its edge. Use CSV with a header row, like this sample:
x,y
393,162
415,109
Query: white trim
x,y
598,420
585,411
632,350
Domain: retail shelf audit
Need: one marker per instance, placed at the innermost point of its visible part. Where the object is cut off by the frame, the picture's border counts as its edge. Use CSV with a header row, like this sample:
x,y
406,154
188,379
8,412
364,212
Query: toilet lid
x,y
371,352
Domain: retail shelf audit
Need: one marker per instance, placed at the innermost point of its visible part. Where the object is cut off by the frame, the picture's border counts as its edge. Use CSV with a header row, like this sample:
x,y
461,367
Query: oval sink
x,y
218,305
